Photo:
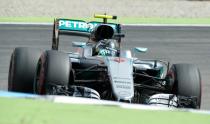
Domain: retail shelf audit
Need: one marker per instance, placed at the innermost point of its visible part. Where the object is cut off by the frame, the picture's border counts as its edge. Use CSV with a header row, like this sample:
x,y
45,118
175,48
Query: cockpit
x,y
107,47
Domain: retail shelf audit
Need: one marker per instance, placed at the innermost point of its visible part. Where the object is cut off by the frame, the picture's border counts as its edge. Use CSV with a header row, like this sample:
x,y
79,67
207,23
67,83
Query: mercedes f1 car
x,y
99,69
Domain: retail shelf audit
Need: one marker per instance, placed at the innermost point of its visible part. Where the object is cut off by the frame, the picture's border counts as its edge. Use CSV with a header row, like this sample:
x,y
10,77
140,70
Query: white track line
x,y
168,25
132,25
24,23
88,101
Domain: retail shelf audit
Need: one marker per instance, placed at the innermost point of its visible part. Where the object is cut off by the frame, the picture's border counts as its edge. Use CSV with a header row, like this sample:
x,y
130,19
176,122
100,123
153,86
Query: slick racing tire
x,y
53,69
22,69
187,81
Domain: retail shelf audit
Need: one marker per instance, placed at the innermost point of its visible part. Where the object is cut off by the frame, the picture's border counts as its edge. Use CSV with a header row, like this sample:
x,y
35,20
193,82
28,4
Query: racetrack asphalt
x,y
177,44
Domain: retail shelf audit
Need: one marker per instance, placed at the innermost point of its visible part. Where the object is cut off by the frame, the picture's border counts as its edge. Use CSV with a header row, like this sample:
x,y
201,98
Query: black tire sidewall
x,y
56,67
22,69
187,81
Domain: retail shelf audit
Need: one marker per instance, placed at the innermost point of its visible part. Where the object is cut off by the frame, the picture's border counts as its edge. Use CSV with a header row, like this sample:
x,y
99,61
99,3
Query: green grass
x,y
123,20
27,111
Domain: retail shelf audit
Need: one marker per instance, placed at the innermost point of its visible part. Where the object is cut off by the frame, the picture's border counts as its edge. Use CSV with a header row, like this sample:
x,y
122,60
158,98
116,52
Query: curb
x,y
88,101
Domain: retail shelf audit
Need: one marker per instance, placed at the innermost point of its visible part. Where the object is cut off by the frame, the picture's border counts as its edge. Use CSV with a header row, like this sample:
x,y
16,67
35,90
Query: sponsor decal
x,y
123,78
124,93
77,25
122,82
123,87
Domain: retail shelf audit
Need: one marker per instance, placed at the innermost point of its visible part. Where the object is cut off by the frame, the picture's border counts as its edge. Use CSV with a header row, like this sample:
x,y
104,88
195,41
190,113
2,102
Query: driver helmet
x,y
108,47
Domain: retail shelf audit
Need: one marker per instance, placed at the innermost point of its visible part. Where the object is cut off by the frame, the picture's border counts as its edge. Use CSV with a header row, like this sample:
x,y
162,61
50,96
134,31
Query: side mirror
x,y
78,44
140,49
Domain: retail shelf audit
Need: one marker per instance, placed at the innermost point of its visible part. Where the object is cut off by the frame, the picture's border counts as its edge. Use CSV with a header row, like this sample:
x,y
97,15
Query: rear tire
x,y
22,69
53,69
187,81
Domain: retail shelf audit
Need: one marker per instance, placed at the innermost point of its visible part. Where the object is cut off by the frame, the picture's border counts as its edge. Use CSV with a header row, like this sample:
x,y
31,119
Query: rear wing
x,y
77,28
81,26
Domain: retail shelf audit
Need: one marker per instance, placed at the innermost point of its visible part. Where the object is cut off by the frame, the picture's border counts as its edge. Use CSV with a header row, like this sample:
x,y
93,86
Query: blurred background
x,y
122,8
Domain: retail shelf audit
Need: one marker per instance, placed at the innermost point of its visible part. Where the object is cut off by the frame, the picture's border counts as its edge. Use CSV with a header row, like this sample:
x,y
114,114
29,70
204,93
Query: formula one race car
x,y
99,69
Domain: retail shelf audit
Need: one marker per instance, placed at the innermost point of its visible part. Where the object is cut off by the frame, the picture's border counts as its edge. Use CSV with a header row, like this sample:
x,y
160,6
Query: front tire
x,y
187,81
22,69
53,69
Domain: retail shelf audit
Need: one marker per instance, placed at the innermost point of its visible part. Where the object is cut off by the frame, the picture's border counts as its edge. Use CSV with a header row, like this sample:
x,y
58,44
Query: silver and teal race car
x,y
100,69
